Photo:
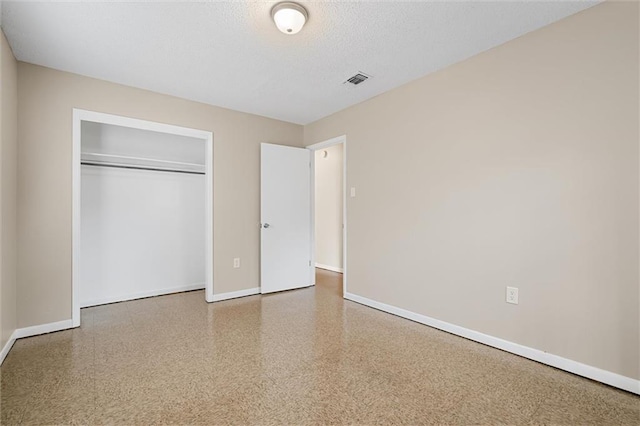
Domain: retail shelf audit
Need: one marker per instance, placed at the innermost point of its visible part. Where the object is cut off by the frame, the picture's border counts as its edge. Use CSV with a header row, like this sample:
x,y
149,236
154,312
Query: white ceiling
x,y
230,54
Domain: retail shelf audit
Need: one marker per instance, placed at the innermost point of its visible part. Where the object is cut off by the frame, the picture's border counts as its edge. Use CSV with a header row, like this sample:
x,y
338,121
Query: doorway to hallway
x,y
329,282
328,187
329,208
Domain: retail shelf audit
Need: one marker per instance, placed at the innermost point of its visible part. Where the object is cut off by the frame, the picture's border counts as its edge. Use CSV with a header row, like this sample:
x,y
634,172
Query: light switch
x,y
353,191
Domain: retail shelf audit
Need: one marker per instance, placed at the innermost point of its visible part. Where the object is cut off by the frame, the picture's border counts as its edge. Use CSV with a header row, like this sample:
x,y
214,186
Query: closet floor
x,y
299,357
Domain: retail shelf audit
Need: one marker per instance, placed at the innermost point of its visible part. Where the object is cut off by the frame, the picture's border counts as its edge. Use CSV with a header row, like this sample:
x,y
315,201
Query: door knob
x,y
266,225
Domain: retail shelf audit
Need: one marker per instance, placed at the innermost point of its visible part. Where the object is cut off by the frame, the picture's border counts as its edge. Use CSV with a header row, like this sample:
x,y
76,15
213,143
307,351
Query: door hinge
x,y
309,263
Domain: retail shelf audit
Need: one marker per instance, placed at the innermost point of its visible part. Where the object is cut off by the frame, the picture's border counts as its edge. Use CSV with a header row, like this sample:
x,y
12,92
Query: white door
x,y
285,214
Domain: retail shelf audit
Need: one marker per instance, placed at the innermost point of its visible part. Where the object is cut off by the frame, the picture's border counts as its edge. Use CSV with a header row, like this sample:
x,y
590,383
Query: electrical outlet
x,y
236,262
512,295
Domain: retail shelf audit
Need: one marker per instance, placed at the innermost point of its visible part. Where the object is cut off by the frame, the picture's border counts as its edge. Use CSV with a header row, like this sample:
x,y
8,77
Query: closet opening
x,y
142,210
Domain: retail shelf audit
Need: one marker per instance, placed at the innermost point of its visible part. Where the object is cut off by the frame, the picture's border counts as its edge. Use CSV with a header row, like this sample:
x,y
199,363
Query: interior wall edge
x,y
7,347
8,192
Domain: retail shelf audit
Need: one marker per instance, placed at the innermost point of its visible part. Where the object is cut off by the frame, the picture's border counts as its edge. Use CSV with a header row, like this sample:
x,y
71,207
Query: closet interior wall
x,y
142,213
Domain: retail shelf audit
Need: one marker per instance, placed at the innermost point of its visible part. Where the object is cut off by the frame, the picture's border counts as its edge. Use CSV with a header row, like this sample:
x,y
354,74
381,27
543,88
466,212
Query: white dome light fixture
x,y
289,17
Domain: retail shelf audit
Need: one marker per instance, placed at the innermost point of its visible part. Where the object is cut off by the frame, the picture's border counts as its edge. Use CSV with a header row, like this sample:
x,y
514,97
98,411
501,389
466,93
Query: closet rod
x,y
122,166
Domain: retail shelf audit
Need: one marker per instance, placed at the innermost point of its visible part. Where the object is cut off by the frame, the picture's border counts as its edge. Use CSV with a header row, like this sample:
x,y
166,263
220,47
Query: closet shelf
x,y
139,163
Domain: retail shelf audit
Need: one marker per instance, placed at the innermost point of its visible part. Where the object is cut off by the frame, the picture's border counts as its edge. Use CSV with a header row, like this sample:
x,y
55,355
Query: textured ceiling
x,y
230,54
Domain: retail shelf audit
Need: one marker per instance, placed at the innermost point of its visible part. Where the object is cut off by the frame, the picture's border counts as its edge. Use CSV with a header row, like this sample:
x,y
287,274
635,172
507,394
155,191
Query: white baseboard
x,y
607,377
234,294
7,347
329,268
141,295
33,331
43,328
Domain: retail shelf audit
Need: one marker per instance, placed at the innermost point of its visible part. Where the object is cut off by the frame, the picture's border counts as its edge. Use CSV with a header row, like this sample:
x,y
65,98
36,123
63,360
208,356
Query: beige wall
x,y
517,167
328,206
46,99
8,187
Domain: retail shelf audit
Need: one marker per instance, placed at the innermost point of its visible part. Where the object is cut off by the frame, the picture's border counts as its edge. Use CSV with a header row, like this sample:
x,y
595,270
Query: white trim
x,y
312,228
344,214
43,329
80,115
208,227
234,294
607,377
315,147
76,190
328,268
134,123
142,295
326,144
33,331
7,347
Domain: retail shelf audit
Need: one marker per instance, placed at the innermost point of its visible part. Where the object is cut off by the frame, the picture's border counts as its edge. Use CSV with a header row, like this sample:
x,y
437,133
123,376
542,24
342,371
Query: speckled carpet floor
x,y
299,357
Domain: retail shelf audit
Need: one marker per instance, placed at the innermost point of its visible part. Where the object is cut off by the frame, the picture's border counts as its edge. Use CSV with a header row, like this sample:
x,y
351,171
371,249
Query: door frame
x,y
317,147
80,115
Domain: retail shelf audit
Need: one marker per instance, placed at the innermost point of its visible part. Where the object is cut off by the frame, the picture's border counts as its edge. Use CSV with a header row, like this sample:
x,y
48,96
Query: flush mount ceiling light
x,y
289,17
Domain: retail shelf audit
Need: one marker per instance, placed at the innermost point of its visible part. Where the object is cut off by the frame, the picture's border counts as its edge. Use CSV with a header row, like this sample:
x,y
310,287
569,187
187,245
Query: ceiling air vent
x,y
357,79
